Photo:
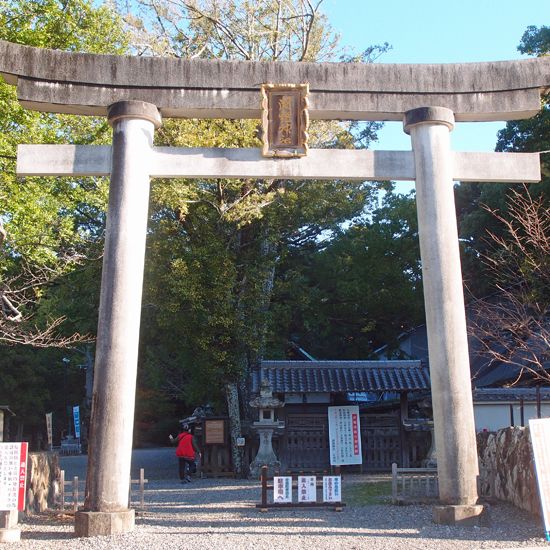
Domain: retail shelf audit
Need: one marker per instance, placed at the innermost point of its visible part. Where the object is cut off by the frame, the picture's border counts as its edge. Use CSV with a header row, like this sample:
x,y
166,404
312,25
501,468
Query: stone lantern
x,y
266,424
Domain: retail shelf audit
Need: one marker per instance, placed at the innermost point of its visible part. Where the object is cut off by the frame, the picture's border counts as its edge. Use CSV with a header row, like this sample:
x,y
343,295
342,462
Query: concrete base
x,y
8,519
462,514
91,524
13,534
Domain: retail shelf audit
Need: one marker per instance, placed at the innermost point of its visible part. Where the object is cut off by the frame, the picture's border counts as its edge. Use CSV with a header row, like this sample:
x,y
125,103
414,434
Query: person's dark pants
x,y
184,467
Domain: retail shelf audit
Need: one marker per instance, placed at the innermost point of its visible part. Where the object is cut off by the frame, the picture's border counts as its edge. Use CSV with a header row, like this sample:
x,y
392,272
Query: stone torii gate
x,y
133,92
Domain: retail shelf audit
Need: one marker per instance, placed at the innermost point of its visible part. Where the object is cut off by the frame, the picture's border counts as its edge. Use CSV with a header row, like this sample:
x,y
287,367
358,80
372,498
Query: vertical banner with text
x,y
76,416
344,435
13,475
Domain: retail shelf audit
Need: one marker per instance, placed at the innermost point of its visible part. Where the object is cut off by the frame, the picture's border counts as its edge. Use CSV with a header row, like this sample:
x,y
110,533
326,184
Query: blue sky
x,y
444,31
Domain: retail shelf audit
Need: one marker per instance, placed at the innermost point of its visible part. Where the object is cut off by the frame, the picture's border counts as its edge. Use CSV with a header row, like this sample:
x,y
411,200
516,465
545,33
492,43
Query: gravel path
x,y
220,514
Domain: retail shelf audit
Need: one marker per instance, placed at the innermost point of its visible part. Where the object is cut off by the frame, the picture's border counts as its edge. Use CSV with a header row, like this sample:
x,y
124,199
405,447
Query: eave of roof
x,y
482,395
342,376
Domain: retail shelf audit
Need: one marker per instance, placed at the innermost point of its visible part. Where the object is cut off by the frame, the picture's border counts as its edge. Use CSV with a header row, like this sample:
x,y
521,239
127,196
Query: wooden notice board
x,y
540,438
214,432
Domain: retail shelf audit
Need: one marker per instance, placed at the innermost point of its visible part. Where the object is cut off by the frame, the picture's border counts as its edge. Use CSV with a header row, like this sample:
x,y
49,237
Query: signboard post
x,y
540,436
282,489
344,435
49,430
214,432
332,489
307,489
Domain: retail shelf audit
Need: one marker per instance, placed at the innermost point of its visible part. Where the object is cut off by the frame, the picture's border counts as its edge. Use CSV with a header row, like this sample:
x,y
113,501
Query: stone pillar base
x,y
91,524
461,514
12,534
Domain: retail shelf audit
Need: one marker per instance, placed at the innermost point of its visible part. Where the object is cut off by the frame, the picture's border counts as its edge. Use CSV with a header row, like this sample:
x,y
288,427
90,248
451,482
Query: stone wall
x,y
507,467
42,482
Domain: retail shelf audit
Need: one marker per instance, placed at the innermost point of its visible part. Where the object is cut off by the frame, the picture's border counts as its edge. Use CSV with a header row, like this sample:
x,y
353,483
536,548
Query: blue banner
x,y
76,416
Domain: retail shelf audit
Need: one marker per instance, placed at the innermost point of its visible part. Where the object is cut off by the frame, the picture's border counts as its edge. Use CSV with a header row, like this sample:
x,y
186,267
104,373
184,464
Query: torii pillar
x,y
455,436
106,509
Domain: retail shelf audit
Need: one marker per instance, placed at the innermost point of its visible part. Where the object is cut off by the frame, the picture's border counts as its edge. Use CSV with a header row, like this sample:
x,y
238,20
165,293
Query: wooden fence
x,y
76,487
414,484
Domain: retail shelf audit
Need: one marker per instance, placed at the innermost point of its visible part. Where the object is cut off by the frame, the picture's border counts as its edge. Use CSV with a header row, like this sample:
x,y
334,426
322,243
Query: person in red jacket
x,y
186,451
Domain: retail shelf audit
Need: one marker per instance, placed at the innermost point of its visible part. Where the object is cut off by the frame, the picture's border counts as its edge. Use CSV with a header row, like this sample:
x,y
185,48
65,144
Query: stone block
x,y
91,524
8,519
10,535
459,514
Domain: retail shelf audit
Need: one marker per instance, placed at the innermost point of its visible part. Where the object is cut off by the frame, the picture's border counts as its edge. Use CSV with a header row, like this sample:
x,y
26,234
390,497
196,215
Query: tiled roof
x,y
510,394
342,376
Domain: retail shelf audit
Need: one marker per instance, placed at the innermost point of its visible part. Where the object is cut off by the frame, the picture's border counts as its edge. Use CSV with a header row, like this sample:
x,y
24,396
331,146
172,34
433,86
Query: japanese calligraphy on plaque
x,y
285,120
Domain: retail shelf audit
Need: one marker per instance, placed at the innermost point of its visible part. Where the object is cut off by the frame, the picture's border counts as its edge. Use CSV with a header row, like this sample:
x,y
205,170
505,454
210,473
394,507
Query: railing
x,y
413,483
76,488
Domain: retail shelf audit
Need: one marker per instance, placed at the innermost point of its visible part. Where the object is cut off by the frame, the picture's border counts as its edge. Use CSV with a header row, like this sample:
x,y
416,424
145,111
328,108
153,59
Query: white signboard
x,y
282,489
332,489
344,435
49,429
13,475
540,440
307,489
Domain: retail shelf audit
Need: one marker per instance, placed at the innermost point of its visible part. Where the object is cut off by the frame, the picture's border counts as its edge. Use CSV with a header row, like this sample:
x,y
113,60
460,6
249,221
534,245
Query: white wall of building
x,y
496,415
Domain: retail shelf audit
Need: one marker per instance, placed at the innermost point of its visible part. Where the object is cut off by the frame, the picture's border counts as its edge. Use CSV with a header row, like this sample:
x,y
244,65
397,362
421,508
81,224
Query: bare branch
x,y
513,326
18,294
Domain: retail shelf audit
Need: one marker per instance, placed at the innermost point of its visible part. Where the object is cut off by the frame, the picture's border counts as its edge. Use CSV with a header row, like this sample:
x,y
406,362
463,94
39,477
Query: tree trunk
x,y
232,397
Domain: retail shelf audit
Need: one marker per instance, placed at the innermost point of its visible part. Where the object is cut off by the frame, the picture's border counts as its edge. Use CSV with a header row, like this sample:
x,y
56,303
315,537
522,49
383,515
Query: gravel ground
x,y
220,514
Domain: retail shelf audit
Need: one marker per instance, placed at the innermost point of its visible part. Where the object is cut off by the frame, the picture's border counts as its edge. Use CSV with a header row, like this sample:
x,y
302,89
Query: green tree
x,y
217,243
51,229
345,297
475,222
48,224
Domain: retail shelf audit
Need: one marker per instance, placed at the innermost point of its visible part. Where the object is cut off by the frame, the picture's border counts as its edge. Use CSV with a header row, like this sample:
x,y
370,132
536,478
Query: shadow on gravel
x,y
228,506
47,535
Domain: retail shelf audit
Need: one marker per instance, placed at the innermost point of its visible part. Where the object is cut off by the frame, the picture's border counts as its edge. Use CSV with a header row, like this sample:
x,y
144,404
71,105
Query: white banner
x,y
540,438
13,475
332,489
307,489
49,417
282,489
344,435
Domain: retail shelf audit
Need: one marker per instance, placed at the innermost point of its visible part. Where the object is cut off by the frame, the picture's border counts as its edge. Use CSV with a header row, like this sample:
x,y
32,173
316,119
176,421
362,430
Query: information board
x,y
332,489
540,439
13,475
282,489
214,432
344,435
307,489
